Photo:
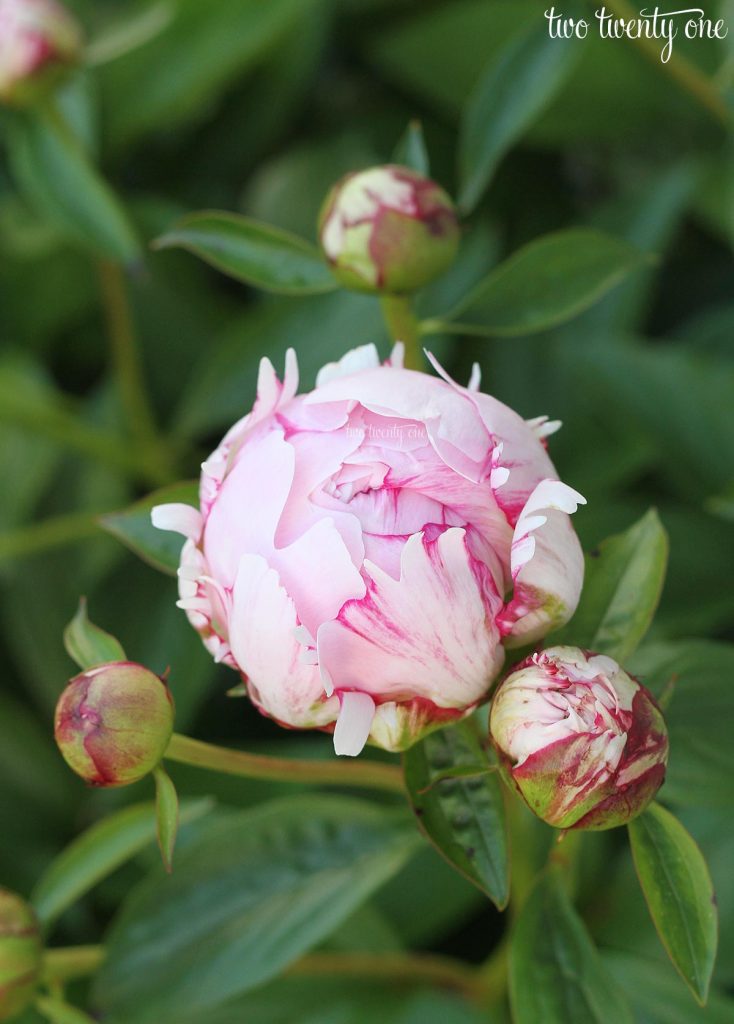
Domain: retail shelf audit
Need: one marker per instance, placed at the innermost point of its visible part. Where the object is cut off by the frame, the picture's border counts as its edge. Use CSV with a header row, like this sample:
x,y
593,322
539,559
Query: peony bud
x,y
584,744
20,954
39,41
363,554
388,229
114,723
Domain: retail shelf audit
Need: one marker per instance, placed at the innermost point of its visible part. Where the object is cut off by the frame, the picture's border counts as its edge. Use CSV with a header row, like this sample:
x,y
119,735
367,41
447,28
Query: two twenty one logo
x,y
654,24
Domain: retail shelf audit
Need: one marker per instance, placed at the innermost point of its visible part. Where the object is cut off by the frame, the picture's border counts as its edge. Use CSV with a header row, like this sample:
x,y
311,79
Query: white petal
x,y
363,358
353,724
397,356
475,380
178,518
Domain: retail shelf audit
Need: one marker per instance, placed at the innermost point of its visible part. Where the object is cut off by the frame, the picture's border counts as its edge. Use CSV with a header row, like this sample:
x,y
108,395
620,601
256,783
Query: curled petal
x,y
354,723
178,518
547,565
363,358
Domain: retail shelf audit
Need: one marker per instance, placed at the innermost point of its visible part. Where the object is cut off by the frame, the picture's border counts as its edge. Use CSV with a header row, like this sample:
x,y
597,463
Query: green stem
x,y
126,362
687,75
403,325
60,965
51,533
400,967
361,774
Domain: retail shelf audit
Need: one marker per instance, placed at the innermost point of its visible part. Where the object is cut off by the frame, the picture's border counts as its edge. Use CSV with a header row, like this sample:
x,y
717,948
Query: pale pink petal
x,y
261,628
547,565
430,634
318,574
245,516
353,724
397,356
178,518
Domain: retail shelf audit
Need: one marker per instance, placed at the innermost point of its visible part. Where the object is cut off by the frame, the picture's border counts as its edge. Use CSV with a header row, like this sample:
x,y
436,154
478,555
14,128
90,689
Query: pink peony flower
x,y
584,744
364,553
38,39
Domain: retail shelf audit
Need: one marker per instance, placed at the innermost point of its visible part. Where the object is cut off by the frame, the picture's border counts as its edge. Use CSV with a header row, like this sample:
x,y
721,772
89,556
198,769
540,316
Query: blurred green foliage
x,y
257,108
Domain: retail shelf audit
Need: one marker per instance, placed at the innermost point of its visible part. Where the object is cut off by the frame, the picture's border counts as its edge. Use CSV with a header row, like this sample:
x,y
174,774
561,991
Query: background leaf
x,y
167,816
257,890
459,803
542,285
622,586
411,150
510,95
254,253
679,894
556,975
160,548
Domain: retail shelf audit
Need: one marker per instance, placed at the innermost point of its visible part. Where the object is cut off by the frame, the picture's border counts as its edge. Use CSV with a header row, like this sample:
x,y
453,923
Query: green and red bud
x,y
114,722
21,954
582,742
388,229
39,42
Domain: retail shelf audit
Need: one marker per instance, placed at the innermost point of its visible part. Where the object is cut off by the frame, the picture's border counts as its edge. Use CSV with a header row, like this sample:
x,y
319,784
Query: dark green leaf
x,y
254,253
460,806
51,166
679,894
87,644
411,150
657,994
178,75
98,852
167,814
698,676
512,92
160,548
624,579
253,893
556,975
542,285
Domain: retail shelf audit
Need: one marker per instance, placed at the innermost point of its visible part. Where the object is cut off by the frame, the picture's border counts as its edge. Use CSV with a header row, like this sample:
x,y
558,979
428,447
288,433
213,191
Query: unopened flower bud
x,y
114,723
39,41
388,229
20,954
584,744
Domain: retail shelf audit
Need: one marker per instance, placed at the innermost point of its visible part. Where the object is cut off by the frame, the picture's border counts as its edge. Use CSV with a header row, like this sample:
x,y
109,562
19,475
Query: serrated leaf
x,y
159,548
622,587
679,893
52,168
98,852
511,93
460,807
544,284
411,150
250,895
556,975
87,644
167,815
252,252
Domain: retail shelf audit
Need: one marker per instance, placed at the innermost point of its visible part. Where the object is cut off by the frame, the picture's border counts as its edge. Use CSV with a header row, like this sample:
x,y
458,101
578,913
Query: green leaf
x,y
52,168
178,76
698,715
624,579
411,150
56,1011
252,252
657,993
87,644
134,29
159,548
546,283
679,893
556,975
98,852
511,93
460,806
167,813
249,896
